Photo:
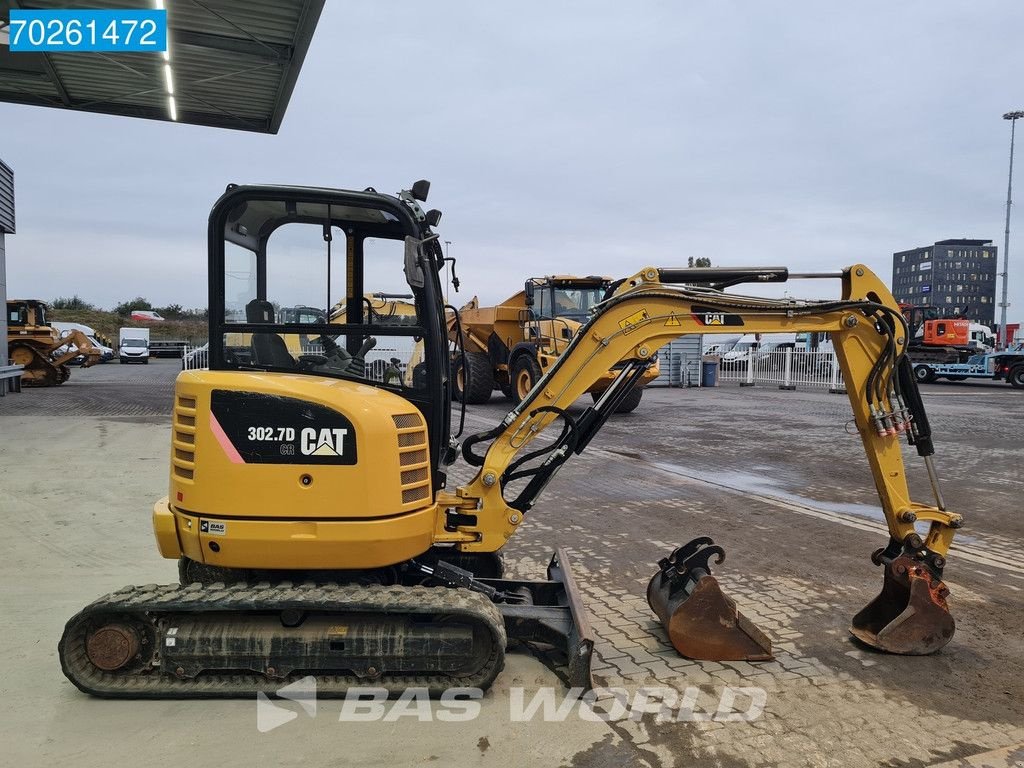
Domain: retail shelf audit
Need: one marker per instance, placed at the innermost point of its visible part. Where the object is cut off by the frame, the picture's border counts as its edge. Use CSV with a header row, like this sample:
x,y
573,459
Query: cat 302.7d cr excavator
x,y
308,506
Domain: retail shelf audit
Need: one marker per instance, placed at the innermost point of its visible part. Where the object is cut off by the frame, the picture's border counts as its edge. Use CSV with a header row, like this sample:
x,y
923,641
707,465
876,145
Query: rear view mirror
x,y
413,265
420,190
529,293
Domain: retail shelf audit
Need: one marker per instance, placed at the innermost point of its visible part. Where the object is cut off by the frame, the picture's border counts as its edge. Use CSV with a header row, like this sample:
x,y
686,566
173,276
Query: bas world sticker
x,y
213,528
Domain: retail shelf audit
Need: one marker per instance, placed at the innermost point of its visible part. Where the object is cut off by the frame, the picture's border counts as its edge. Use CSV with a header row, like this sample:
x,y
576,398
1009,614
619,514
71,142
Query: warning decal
x,y
634,321
673,321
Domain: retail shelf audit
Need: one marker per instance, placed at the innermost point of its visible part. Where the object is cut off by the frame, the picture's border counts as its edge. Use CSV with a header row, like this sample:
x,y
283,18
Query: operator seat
x,y
267,348
565,307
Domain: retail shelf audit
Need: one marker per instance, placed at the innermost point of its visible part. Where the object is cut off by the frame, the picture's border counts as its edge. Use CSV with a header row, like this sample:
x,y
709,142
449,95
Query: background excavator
x,y
309,510
943,336
45,353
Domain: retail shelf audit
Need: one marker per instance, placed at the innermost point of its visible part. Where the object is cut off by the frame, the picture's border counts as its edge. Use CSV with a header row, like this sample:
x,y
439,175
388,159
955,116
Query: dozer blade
x,y
701,622
552,613
910,615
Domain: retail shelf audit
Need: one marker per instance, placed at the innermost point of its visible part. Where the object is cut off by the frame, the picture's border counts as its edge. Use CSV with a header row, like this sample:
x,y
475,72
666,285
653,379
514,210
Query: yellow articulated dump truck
x,y
511,345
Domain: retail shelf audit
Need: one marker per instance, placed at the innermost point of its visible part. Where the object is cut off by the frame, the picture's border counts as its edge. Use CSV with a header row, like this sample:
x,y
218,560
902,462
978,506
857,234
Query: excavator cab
x,y
279,260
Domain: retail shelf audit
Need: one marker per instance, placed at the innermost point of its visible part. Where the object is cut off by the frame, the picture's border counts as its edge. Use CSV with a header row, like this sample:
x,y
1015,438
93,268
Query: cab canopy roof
x,y
565,281
233,64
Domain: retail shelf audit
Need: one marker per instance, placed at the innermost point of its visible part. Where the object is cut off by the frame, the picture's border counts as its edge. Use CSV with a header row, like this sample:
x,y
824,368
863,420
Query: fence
x,y
379,362
195,358
787,368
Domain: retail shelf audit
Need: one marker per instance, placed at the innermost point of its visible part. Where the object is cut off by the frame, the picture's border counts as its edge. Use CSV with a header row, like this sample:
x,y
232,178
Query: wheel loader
x,y
511,345
310,510
45,353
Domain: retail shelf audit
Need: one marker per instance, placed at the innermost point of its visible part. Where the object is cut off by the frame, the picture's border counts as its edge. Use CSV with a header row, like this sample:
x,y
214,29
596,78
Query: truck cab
x,y
982,338
511,345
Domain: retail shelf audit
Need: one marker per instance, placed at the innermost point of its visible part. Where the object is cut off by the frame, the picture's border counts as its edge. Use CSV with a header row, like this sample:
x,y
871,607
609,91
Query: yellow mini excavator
x,y
309,510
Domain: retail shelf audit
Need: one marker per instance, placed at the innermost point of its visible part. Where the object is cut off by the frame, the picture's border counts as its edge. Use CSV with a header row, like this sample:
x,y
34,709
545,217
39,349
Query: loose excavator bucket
x,y
702,623
910,615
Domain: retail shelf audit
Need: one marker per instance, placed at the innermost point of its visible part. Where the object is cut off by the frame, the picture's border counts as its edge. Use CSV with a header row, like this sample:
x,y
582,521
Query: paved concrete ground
x,y
773,476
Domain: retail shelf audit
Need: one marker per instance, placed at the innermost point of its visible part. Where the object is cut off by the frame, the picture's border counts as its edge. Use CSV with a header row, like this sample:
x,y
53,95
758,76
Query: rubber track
x,y
149,604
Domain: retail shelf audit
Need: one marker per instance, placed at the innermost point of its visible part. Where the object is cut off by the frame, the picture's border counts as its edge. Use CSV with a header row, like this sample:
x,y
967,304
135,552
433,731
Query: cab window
x,y
343,292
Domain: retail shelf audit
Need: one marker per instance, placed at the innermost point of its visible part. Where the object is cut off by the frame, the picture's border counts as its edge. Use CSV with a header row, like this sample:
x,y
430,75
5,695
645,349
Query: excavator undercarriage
x,y
438,628
308,501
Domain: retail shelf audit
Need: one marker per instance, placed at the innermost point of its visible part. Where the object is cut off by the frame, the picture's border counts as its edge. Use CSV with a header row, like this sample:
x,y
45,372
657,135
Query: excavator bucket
x,y
701,622
910,615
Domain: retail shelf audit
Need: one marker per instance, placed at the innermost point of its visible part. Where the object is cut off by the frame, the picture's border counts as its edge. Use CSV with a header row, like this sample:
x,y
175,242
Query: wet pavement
x,y
775,477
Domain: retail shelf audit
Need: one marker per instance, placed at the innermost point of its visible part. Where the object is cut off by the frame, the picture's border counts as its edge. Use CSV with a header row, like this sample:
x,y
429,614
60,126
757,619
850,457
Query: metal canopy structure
x,y
232,64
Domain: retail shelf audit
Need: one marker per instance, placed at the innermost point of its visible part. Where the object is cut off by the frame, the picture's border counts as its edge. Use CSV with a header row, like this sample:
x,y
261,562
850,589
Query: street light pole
x,y
1012,117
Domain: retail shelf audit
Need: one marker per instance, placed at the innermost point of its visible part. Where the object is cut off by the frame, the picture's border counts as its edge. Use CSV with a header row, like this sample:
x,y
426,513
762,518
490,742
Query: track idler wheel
x,y
112,647
910,615
701,622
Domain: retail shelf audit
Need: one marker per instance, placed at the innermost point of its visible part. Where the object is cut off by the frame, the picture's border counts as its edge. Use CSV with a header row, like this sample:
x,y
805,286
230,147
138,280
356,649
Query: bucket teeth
x,y
701,622
910,615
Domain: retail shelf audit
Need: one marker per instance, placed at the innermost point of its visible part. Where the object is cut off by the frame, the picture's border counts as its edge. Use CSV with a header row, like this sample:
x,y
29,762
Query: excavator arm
x,y
646,311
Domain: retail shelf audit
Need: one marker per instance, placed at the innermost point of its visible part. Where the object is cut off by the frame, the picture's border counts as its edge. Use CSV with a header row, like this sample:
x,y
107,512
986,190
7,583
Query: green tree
x,y
71,302
700,261
172,311
125,308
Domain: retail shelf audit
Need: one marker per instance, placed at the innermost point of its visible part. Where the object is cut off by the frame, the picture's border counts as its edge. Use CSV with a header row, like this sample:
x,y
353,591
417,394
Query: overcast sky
x,y
588,137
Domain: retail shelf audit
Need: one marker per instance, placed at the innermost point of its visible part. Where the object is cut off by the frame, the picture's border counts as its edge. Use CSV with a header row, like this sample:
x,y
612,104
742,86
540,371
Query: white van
x,y
716,344
65,330
108,353
737,356
146,316
762,345
133,345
